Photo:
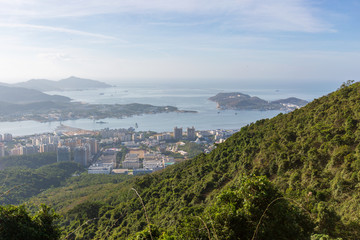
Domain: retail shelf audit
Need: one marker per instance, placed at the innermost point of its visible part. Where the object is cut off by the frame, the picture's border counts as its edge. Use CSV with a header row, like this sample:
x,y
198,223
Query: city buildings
x,y
147,151
47,148
131,161
16,151
7,137
99,169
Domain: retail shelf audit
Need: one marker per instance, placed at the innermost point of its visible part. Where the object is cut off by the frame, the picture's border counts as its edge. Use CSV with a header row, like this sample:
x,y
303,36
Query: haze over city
x,y
262,41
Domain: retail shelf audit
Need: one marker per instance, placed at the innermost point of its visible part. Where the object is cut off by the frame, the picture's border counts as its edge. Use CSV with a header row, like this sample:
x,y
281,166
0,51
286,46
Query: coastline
x,y
75,111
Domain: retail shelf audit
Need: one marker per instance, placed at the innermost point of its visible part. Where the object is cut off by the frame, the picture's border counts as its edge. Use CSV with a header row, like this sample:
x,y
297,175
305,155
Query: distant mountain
x,y
291,100
240,101
68,84
4,84
17,95
42,85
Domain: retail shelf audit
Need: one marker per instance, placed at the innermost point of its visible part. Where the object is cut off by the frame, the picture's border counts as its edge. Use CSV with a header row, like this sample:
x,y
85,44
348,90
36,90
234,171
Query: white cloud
x,y
279,15
55,56
56,29
232,41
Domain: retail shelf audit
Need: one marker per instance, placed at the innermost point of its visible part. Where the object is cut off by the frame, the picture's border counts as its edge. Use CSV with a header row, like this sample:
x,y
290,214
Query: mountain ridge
x,y
71,83
19,95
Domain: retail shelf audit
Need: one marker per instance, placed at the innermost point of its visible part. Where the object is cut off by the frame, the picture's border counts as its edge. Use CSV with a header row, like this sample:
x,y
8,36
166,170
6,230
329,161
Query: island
x,y
20,104
68,84
240,101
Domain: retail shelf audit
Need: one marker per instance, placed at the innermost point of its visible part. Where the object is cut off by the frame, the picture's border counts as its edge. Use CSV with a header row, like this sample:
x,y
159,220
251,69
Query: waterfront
x,y
208,117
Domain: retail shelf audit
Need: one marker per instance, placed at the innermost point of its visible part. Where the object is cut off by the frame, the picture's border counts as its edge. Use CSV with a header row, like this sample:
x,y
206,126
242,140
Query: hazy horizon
x,y
233,84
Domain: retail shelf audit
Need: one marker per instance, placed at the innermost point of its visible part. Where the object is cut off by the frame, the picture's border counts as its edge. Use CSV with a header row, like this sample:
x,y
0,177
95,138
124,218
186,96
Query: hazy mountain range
x,y
68,84
19,95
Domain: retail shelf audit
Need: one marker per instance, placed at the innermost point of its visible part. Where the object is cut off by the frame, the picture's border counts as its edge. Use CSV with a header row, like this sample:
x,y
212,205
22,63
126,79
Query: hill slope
x,y
240,101
311,156
24,95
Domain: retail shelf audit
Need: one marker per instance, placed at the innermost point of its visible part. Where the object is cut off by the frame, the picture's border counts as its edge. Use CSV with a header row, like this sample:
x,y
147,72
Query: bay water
x,y
208,117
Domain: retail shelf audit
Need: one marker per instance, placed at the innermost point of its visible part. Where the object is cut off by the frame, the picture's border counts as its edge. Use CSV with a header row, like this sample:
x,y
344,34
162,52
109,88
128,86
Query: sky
x,y
260,41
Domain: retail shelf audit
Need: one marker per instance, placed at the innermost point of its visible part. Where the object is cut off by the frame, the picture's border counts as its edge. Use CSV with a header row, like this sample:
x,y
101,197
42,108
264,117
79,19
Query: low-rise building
x,y
131,161
100,169
153,164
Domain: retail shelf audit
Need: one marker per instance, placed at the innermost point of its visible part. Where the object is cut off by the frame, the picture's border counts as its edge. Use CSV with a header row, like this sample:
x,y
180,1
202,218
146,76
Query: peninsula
x,y
20,104
240,101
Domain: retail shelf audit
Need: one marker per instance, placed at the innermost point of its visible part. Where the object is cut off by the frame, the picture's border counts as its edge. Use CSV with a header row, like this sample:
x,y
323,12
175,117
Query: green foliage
x,y
252,208
19,184
323,237
310,155
16,223
28,161
193,149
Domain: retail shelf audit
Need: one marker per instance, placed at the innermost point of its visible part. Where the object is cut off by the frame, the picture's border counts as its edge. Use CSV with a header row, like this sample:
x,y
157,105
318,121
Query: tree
x,y
17,223
253,209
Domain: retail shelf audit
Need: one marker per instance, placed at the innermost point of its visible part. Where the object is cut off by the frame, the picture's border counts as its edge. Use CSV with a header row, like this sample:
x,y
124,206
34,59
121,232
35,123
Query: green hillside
x,y
19,183
309,160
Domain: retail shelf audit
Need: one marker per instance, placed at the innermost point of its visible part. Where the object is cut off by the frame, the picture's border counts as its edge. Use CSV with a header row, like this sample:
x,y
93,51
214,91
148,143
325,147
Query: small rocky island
x,y
240,101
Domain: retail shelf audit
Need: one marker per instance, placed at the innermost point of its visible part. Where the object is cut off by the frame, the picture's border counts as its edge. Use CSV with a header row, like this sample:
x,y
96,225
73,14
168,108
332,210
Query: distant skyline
x,y
164,40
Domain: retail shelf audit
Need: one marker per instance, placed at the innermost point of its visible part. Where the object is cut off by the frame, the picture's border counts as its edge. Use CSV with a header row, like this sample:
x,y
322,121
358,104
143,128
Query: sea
x,y
184,97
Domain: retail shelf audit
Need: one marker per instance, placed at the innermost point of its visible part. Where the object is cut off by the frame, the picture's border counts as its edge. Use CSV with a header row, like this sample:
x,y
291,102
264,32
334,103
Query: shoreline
x,y
35,119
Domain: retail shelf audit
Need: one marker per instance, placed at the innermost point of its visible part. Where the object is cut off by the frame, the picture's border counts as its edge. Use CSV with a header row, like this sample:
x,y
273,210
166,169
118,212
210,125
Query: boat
x,y
101,122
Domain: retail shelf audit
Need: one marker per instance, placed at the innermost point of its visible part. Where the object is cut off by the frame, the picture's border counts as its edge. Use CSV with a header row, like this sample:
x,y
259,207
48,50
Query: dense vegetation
x,y
52,110
25,176
28,161
240,101
17,223
193,149
289,177
19,184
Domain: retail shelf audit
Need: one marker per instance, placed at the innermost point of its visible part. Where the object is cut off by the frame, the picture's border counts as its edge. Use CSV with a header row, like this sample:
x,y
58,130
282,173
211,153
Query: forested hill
x,y
311,157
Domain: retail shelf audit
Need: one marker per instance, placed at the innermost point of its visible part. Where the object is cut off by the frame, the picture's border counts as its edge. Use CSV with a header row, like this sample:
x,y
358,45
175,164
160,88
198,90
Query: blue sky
x,y
164,40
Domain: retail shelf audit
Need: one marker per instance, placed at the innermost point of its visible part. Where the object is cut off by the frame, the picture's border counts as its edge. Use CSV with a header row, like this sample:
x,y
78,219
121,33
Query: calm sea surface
x,y
208,117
